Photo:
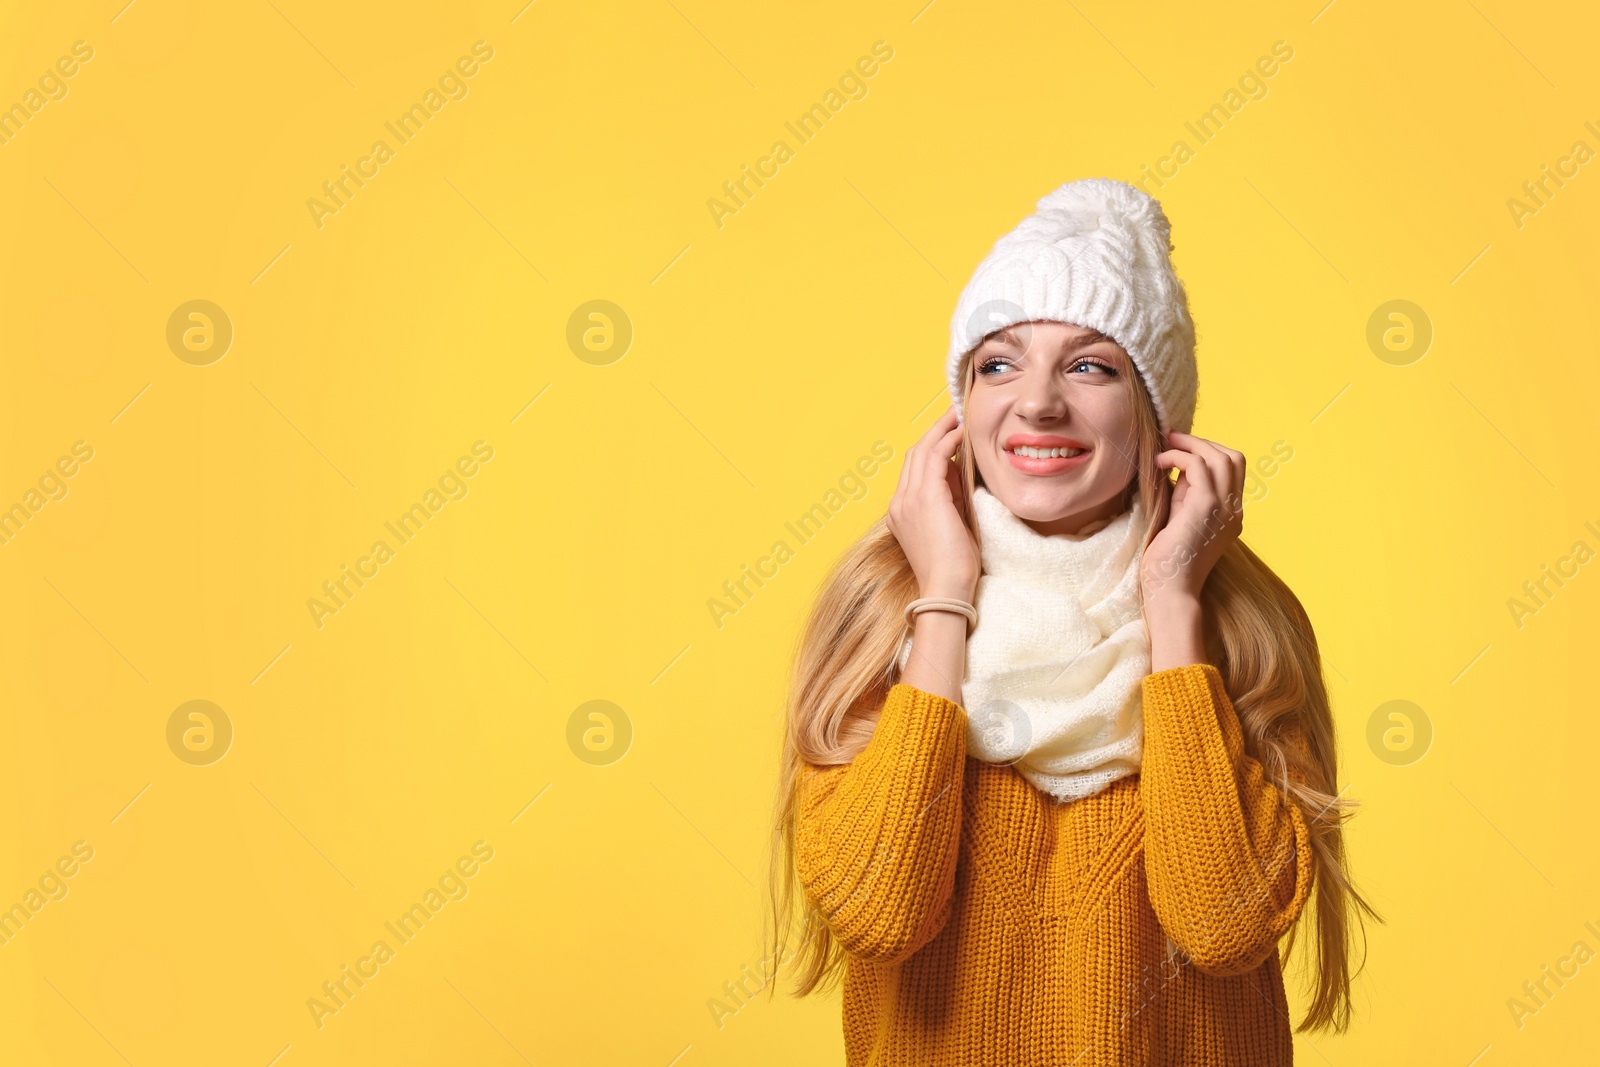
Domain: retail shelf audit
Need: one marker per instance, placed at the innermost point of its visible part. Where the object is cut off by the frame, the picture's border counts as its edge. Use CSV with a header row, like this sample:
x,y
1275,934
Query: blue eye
x,y
993,363
1110,370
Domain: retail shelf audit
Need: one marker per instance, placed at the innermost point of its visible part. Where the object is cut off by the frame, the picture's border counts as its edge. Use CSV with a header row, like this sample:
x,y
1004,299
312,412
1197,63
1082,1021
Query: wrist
x,y
949,587
1159,589
1176,630
1173,603
931,622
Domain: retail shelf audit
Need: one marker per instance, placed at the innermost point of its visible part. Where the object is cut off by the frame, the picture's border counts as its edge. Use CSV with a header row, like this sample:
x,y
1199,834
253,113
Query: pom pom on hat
x,y
1095,253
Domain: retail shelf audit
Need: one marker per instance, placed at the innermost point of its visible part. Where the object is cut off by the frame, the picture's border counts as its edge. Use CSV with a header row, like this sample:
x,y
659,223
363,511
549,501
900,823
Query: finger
x,y
1195,469
934,473
1224,470
950,442
1211,453
913,469
915,464
1188,440
1224,497
1221,469
1236,488
905,478
1227,464
956,479
1231,468
948,449
940,427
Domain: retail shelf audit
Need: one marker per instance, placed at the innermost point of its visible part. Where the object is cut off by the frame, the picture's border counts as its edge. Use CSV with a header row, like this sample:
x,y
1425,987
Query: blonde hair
x,y
1256,633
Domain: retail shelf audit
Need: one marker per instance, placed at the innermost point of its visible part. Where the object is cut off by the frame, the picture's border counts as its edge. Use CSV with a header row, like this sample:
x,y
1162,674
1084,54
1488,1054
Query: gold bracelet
x,y
942,603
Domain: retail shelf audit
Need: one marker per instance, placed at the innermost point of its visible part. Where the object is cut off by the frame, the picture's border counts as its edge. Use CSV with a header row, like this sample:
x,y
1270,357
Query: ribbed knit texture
x,y
1095,252
989,924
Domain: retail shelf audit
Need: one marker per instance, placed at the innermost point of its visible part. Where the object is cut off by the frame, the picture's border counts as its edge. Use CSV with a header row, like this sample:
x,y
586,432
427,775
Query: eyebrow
x,y
1007,336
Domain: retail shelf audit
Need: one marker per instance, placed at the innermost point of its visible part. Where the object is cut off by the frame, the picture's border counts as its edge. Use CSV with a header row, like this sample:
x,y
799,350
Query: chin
x,y
1037,501
1048,499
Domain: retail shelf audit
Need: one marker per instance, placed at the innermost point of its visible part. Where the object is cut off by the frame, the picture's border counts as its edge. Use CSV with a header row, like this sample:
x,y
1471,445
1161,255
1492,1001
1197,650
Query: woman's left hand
x,y
1204,516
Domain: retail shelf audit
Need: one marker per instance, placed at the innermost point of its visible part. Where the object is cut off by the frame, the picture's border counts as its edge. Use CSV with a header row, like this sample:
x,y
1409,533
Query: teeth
x,y
1047,453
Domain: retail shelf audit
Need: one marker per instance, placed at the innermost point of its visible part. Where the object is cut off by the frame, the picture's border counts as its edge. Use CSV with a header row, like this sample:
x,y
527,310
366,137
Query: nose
x,y
1043,398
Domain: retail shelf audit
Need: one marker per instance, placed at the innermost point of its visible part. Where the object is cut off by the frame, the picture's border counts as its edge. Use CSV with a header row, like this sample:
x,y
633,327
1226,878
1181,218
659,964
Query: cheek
x,y
1117,430
1111,414
980,420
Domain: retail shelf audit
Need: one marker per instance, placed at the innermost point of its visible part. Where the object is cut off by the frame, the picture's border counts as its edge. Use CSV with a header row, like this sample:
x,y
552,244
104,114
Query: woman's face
x,y
1053,386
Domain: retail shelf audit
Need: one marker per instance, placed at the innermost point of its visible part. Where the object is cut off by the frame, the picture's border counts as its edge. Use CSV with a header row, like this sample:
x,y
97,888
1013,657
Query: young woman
x,y
1059,768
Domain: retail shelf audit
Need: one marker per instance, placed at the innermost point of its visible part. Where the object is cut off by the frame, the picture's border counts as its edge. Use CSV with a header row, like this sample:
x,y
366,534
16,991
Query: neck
x,y
1077,522
1087,562
1080,522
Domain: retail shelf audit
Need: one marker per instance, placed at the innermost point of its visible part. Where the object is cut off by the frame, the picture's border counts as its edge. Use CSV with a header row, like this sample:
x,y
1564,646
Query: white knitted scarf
x,y
1055,666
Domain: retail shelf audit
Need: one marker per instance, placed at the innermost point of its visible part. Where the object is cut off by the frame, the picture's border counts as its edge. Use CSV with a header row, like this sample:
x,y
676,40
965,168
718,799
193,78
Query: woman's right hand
x,y
924,518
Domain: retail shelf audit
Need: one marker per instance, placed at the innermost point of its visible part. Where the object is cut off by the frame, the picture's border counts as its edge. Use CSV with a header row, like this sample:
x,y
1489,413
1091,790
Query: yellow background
x,y
768,355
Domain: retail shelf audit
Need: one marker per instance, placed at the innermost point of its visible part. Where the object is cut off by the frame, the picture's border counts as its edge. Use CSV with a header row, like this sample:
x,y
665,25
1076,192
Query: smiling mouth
x,y
1046,462
1046,453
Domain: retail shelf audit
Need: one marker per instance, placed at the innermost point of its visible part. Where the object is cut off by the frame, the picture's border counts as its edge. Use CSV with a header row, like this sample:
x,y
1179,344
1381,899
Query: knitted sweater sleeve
x,y
877,838
1228,856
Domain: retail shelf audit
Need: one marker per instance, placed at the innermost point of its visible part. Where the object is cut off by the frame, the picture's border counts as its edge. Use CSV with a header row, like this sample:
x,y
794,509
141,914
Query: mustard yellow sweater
x,y
986,923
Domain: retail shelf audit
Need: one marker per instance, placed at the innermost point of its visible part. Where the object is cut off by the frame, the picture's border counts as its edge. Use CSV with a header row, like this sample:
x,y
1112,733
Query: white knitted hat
x,y
1096,253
